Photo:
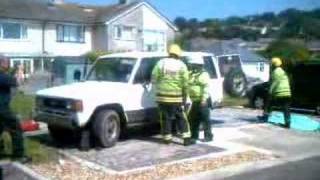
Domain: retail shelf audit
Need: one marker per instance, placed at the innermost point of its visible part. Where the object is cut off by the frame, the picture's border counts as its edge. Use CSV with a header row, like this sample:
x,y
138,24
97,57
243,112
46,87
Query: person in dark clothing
x,y
8,121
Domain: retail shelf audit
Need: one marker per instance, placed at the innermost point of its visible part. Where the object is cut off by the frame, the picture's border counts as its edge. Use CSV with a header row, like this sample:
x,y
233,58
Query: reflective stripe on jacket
x,y
198,88
280,85
170,78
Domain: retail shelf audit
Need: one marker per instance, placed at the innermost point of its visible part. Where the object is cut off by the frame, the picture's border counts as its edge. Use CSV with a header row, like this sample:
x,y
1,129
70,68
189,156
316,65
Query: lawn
x,y
23,105
234,101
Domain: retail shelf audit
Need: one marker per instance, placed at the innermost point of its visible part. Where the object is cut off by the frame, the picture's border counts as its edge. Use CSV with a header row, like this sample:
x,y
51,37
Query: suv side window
x,y
144,72
228,62
209,67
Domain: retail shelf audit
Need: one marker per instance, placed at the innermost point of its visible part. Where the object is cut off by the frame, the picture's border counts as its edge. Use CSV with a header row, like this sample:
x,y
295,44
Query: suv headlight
x,y
75,105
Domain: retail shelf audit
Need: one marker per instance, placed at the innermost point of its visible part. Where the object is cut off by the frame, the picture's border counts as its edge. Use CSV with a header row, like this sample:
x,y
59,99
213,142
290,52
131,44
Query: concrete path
x,y
306,169
16,171
296,155
234,117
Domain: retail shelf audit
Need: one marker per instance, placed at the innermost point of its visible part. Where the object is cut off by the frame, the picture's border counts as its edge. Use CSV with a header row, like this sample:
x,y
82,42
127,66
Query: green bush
x,y
92,56
290,51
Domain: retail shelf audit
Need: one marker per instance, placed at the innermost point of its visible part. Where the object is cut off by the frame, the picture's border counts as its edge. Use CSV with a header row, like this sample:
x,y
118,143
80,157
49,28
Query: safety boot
x,y
188,141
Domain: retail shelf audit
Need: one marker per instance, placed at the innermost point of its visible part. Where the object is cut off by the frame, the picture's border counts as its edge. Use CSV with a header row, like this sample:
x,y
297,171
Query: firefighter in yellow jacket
x,y
199,93
279,91
170,79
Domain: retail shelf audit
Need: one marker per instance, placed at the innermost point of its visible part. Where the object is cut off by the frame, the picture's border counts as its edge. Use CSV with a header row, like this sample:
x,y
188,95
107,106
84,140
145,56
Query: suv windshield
x,y
112,69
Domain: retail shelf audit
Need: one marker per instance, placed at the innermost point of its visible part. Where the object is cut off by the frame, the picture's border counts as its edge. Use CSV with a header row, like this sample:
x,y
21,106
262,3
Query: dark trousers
x,y
9,122
200,114
283,103
170,113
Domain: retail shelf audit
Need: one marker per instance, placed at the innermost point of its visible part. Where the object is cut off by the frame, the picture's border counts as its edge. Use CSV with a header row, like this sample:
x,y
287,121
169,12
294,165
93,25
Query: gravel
x,y
66,169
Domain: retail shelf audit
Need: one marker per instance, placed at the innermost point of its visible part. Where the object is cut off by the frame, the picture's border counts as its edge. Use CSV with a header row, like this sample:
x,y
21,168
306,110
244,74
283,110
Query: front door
x,y
144,92
26,63
216,82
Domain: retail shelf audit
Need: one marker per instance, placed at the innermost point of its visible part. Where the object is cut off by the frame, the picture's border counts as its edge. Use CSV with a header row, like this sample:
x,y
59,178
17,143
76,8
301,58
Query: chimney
x,y
124,1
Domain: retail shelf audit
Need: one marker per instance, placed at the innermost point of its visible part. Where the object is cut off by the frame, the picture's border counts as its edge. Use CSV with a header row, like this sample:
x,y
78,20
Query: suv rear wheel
x,y
235,83
106,127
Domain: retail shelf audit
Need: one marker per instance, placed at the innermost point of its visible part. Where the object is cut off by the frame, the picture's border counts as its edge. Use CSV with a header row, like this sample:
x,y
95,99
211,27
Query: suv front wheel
x,y
258,102
106,127
318,110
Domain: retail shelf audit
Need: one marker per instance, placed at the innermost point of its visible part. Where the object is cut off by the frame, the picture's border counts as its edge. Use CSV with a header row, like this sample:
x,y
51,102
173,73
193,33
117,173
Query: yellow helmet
x,y
175,49
277,62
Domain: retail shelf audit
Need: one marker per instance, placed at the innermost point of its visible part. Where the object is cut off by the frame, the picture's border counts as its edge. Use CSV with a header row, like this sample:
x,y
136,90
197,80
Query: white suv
x,y
116,94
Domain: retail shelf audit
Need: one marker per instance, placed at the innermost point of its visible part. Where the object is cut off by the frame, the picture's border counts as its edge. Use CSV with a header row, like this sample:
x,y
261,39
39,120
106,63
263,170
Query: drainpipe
x,y
44,24
43,48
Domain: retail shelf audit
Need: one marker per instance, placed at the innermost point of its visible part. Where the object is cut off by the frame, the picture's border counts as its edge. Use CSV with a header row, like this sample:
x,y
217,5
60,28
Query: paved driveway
x,y
234,117
145,149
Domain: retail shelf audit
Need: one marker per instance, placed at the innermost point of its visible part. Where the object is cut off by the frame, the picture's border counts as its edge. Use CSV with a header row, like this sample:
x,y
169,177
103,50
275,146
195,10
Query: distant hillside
x,y
290,23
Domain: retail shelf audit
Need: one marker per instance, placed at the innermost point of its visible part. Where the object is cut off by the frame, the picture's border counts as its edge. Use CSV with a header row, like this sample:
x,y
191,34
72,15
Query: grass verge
x,y
234,101
22,105
39,152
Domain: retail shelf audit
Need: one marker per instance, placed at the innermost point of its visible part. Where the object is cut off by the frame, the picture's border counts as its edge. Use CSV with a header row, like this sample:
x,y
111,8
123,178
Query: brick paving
x,y
132,154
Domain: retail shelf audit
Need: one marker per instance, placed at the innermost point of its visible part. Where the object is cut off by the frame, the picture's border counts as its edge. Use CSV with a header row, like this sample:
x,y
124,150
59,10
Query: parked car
x,y
304,84
116,95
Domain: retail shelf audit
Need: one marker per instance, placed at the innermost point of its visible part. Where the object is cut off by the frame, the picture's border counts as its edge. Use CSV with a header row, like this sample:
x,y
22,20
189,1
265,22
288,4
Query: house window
x,y
13,31
260,67
70,33
124,32
117,32
154,40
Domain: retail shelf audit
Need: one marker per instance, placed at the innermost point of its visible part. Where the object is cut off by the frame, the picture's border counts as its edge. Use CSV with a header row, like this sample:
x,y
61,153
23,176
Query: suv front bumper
x,y
57,118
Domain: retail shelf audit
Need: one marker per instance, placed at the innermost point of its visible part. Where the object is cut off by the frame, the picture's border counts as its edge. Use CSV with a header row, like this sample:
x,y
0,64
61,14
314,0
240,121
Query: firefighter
x,y
198,91
279,91
8,121
170,79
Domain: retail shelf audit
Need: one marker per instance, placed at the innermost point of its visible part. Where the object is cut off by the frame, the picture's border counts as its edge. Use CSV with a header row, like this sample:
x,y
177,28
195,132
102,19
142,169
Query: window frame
x,y
210,67
157,45
261,67
119,32
92,71
139,72
23,28
61,33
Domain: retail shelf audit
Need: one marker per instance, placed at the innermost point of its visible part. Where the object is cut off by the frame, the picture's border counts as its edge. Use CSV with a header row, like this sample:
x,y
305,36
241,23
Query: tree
x,y
235,20
213,29
181,23
290,51
232,32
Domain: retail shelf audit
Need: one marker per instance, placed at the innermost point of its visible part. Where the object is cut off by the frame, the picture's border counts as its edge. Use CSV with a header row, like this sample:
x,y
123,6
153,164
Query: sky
x,y
203,9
